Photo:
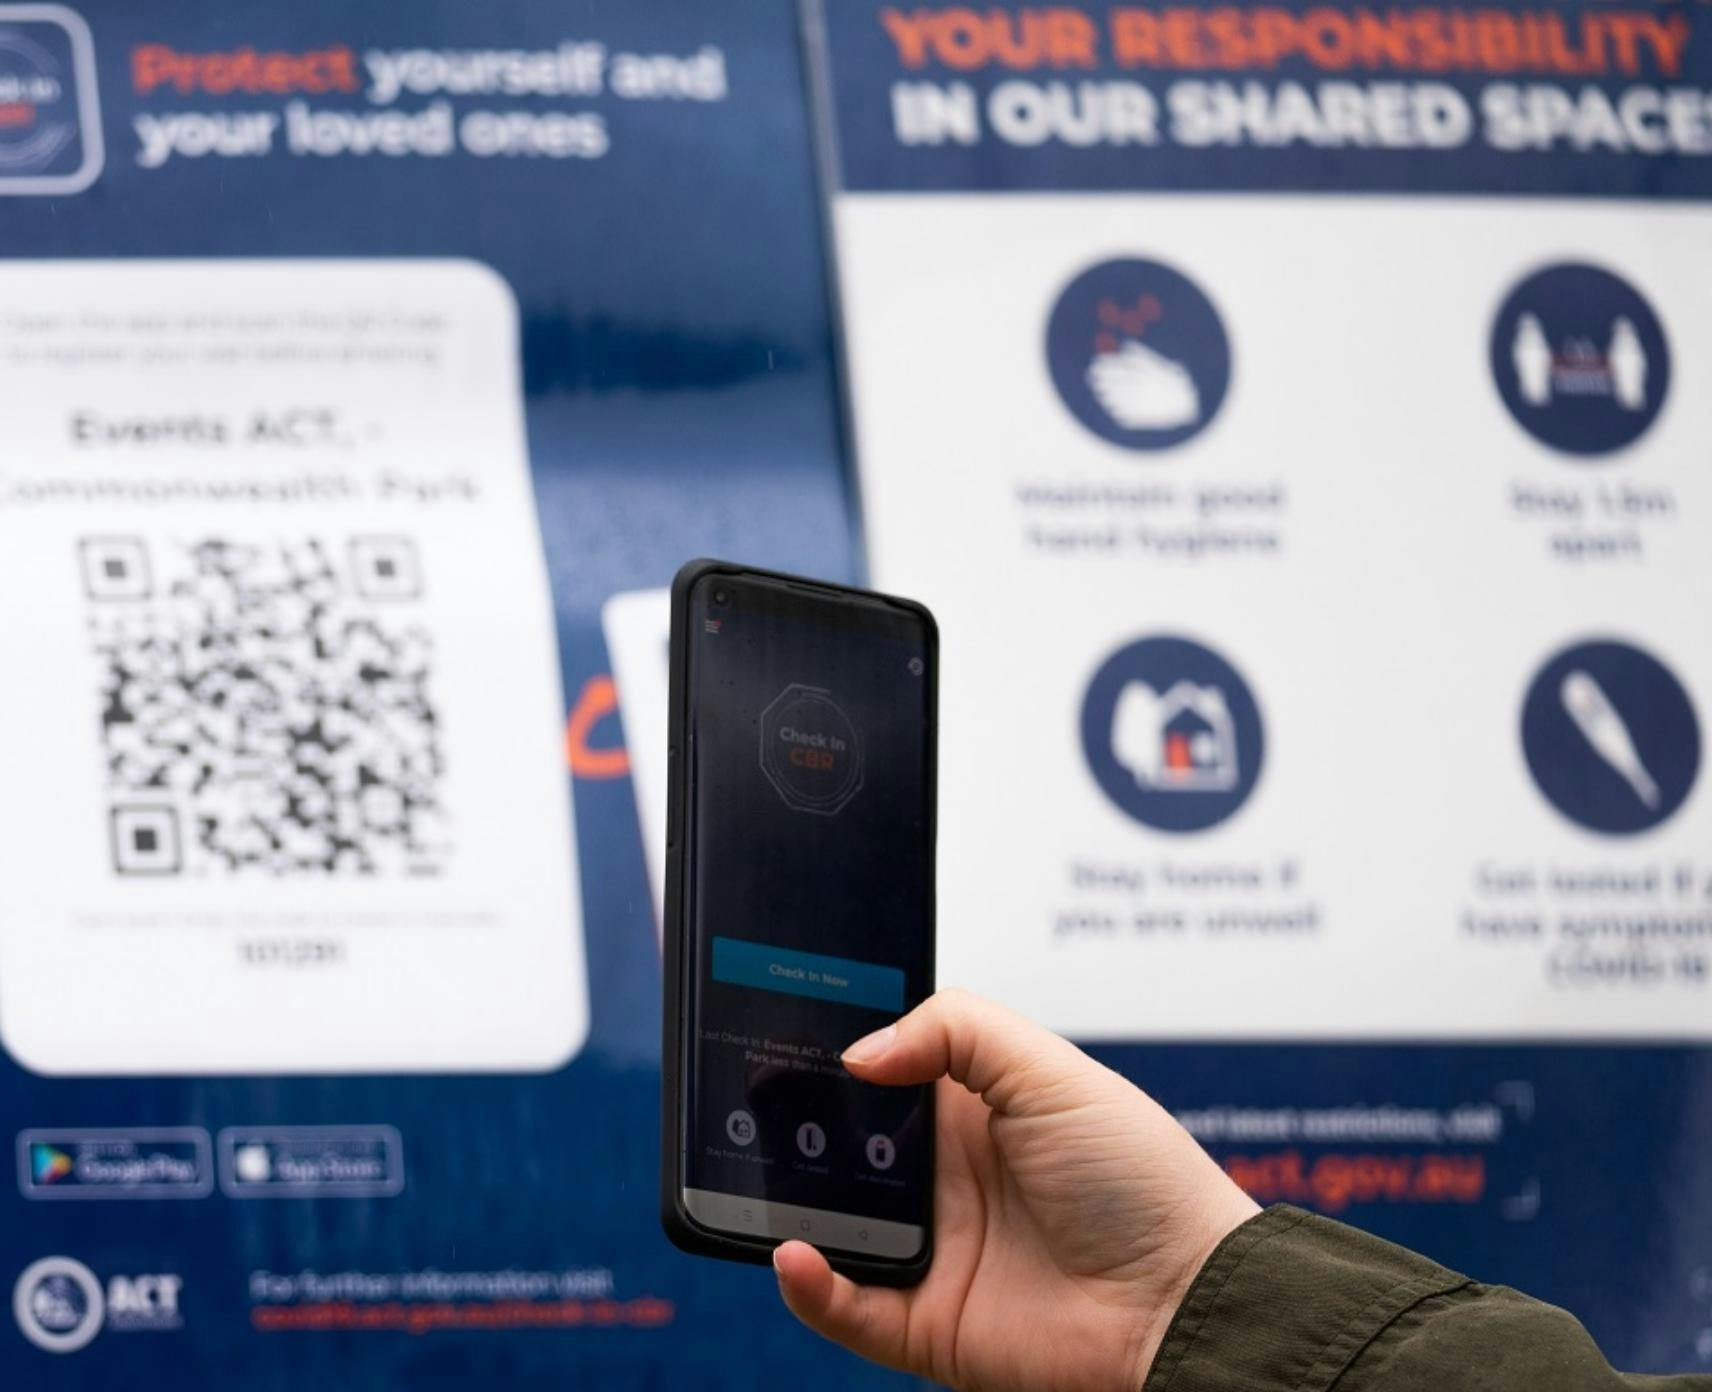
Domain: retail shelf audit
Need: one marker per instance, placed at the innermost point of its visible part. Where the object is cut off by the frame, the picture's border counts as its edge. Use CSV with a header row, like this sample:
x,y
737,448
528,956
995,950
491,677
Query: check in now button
x,y
813,974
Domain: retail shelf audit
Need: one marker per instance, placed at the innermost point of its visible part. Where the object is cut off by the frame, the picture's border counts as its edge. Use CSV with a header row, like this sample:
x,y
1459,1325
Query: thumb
x,y
1014,1064
870,1320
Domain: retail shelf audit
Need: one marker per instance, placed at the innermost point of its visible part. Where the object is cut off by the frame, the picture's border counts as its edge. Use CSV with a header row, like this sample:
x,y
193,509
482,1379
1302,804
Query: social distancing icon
x,y
1580,359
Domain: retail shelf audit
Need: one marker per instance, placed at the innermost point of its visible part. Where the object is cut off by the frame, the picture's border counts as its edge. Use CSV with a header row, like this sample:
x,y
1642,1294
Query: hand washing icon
x,y
1142,389
1138,354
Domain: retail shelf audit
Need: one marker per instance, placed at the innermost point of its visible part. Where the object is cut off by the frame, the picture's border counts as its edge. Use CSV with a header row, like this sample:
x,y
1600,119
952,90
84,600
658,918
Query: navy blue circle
x,y
1160,346
1645,762
67,1305
1140,767
1568,371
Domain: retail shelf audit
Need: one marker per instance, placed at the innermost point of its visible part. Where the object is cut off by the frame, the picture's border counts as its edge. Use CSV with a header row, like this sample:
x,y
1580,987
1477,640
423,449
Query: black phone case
x,y
683,1230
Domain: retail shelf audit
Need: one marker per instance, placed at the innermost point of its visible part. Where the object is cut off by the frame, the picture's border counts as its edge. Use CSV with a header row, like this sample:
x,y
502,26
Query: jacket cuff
x,y
1286,1302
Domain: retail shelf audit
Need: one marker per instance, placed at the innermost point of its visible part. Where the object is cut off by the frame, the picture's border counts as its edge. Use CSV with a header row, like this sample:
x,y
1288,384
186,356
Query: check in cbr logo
x,y
50,115
60,1305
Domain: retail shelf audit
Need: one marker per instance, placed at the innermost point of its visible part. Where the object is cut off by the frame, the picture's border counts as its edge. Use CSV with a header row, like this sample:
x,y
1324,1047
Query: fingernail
x,y
871,1046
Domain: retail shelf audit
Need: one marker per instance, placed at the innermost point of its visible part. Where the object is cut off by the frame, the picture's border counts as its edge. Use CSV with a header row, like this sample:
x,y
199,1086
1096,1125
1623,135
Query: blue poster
x,y
615,212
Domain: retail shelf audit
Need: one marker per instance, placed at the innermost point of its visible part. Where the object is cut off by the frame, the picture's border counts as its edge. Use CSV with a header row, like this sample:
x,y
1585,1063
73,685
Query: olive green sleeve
x,y
1291,1302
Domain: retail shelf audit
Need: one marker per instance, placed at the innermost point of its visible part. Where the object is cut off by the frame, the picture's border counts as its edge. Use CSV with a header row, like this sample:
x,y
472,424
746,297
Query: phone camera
x,y
721,596
917,666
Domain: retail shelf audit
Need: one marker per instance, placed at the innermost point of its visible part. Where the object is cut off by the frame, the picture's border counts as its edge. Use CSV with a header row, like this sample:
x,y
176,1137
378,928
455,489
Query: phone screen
x,y
809,864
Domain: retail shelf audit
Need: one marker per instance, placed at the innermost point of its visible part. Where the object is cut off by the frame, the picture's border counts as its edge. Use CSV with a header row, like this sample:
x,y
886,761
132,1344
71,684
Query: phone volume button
x,y
673,793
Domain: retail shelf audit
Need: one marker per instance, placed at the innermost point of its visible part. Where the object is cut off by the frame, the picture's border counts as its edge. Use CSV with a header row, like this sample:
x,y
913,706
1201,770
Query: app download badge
x,y
1138,354
1580,359
1610,737
1172,734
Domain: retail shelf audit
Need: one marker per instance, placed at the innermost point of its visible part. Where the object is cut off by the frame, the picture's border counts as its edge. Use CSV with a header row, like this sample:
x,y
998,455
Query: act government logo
x,y
1138,353
50,116
61,1306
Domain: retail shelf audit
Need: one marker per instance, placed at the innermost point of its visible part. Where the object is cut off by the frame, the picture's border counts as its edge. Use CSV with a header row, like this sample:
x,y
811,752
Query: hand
x,y
1071,1213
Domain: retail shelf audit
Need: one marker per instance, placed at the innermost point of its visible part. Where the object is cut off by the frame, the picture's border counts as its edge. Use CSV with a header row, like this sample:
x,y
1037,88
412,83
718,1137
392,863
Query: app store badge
x,y
1138,354
1610,737
1172,734
1580,359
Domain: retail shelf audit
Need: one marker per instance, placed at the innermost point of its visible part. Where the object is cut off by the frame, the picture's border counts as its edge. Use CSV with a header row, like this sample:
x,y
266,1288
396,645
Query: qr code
x,y
266,706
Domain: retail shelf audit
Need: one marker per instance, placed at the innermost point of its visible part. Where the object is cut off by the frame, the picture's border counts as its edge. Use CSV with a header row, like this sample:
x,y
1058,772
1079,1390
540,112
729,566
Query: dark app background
x,y
853,883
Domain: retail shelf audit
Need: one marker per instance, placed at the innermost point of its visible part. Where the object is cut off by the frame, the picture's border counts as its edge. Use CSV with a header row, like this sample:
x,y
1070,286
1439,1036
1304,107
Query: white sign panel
x,y
1324,610
282,721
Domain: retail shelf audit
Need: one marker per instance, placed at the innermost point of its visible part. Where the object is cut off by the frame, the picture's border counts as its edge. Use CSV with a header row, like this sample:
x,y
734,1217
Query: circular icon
x,y
740,1126
811,1140
1172,734
1610,737
881,1152
58,1305
1138,354
810,751
1580,359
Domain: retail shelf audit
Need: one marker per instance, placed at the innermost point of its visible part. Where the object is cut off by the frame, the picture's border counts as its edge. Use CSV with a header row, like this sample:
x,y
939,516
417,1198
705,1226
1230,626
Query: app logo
x,y
1580,359
58,1304
1172,734
48,1165
1138,354
810,751
1610,737
50,123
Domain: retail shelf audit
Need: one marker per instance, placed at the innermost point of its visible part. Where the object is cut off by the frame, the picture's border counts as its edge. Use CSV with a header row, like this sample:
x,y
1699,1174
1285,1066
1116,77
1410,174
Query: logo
x,y
1580,359
48,1165
1610,737
1172,734
1138,354
258,1162
172,1162
810,751
50,122
58,1304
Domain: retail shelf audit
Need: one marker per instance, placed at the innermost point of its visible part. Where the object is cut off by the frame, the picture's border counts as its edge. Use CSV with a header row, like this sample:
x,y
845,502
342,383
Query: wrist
x,y
1175,1276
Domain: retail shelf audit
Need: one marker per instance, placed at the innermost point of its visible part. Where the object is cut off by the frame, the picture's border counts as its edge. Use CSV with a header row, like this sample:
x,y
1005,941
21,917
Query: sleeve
x,y
1291,1302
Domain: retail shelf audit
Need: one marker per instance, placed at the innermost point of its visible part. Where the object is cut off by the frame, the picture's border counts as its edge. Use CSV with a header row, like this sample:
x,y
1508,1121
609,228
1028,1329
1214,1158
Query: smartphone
x,y
799,917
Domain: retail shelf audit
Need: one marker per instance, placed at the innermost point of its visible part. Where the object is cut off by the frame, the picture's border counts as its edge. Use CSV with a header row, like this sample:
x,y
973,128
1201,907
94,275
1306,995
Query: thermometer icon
x,y
1604,729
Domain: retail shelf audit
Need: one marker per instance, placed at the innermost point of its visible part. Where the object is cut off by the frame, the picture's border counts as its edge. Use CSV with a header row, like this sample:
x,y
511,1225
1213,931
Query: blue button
x,y
839,979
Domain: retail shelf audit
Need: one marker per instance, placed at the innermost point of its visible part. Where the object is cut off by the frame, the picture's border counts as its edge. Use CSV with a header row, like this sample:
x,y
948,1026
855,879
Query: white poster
x,y
638,629
1324,611
282,714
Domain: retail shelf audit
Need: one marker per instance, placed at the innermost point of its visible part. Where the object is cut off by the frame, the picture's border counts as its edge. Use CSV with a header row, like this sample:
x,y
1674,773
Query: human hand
x,y
1071,1213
